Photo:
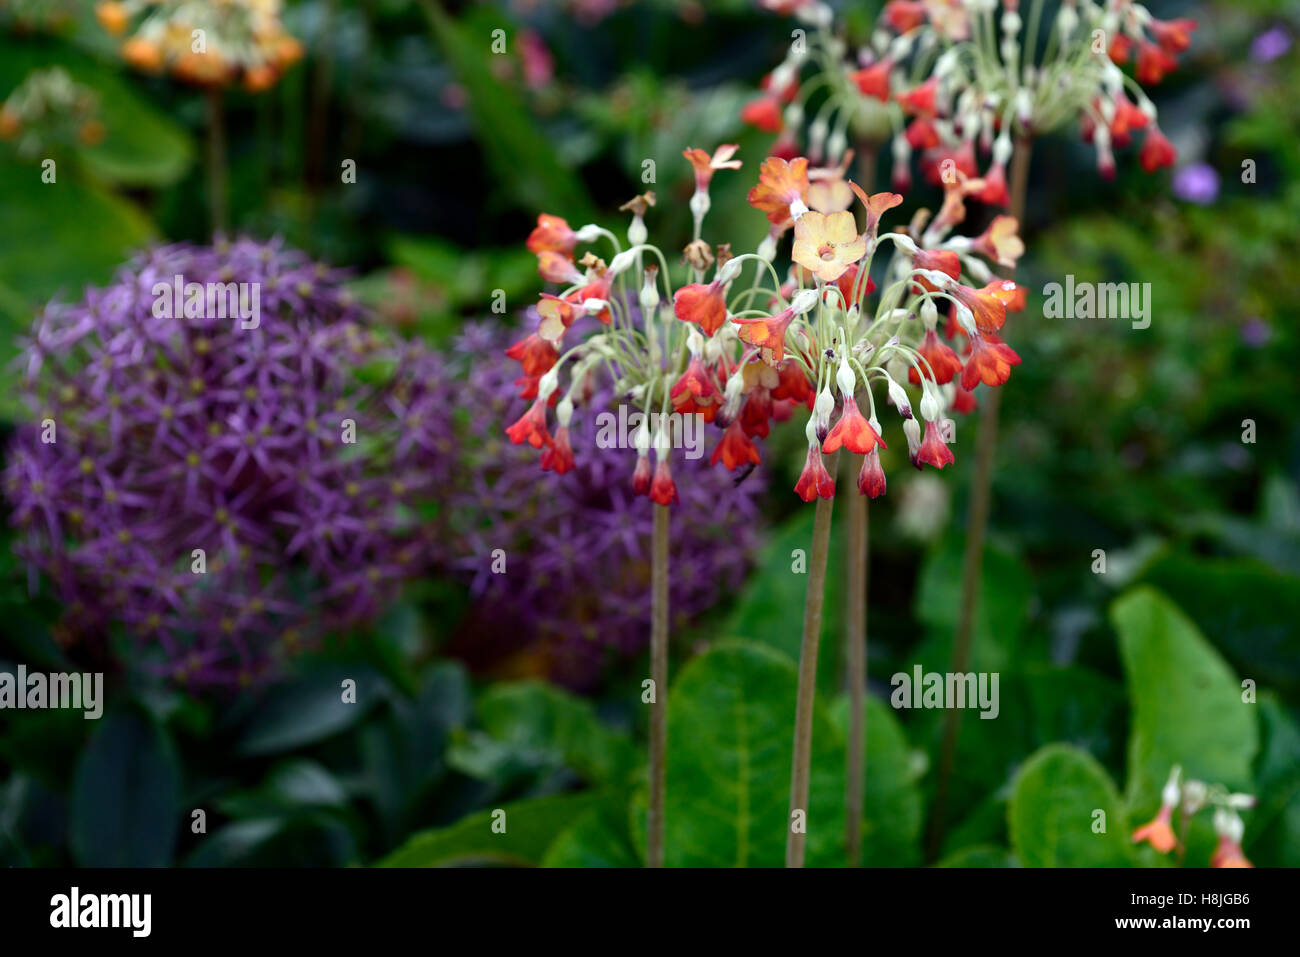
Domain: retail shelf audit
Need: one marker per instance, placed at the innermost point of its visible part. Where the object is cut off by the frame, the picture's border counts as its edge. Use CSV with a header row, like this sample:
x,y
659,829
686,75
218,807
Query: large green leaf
x,y
530,828
1053,815
526,165
597,839
891,828
126,798
730,743
1187,703
310,708
1273,828
539,725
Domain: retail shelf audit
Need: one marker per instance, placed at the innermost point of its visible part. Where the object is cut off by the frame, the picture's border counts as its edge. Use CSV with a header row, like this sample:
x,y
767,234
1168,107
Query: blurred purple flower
x,y
177,434
1197,183
1256,332
1269,45
575,594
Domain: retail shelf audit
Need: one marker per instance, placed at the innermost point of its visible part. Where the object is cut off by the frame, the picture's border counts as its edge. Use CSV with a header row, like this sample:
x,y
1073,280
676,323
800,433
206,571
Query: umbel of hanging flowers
x,y
954,76
744,353
1187,799
209,44
222,490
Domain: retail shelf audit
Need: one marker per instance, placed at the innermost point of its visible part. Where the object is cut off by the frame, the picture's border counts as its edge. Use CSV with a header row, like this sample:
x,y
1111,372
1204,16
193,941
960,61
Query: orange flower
x,y
695,391
706,165
874,80
814,480
531,426
1156,151
557,267
557,315
937,260
702,304
112,16
871,479
767,333
990,362
558,456
1228,853
1001,242
877,204
944,362
735,448
663,491
143,55
827,245
535,355
1158,832
553,233
853,431
763,113
989,307
780,184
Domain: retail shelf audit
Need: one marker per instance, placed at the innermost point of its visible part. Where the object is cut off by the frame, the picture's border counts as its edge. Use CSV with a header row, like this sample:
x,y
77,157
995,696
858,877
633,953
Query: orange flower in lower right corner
x,y
1158,832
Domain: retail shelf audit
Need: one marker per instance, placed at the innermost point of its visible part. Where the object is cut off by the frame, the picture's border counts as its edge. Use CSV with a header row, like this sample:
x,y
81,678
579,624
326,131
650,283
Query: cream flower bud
x,y
730,270
700,204
649,296
623,261
822,410
548,384
1002,149
810,430
663,442
817,132
637,234
642,438
794,114
1170,793
803,301
767,248
929,314
898,396
836,145
588,234
931,400
846,379
904,243
977,270
912,429
564,412
965,319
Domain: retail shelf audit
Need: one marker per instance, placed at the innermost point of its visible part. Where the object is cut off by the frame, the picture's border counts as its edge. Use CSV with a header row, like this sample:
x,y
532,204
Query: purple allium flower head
x,y
575,594
1269,45
293,450
1197,183
1255,332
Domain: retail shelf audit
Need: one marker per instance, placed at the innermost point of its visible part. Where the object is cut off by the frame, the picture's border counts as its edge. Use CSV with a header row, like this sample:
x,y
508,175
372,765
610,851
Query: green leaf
x,y
292,786
59,253
597,839
546,726
310,709
1053,812
891,828
126,798
980,855
730,742
525,163
1273,827
1187,703
530,828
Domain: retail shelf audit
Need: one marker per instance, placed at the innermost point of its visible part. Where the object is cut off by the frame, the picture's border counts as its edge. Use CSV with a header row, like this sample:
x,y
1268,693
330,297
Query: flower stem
x,y
855,644
976,531
659,675
803,716
217,171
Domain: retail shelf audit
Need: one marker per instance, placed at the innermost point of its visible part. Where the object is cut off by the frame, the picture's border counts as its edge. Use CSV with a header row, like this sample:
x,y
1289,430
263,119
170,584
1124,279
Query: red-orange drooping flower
x,y
552,233
531,426
934,450
814,481
663,490
871,478
1156,151
766,332
558,456
944,362
735,448
1158,832
853,432
990,362
703,304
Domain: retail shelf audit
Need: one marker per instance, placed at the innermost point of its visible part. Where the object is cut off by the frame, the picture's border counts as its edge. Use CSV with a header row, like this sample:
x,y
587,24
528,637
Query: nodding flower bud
x,y
642,438
548,384
794,114
784,74
637,234
588,234
846,379
663,443
904,243
1241,801
1228,824
898,396
1024,107
594,307
729,270
1194,795
803,301
836,145
912,430
929,314
564,412
700,204
977,270
965,319
822,410
649,296
694,342
901,47
1002,149
624,260
902,150
817,131
1170,794
1010,22
931,400
731,396
813,432
767,248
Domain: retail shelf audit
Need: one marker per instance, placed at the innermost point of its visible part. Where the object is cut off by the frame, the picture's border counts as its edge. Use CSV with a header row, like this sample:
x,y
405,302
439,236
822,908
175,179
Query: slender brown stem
x,y
217,171
659,675
801,768
976,531
855,645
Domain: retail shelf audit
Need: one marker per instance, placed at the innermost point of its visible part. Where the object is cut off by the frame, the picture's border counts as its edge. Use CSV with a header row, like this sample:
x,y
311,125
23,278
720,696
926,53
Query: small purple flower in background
x,y
576,585
1269,45
1256,332
1197,183
292,451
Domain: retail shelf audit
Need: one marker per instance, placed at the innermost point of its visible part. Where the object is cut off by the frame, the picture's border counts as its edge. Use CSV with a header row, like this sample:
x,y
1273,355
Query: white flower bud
x,y
929,314
794,114
898,396
642,438
977,270
803,301
637,234
564,412
836,145
547,384
649,296
846,379
1002,149
767,248
965,319
700,204
1170,793
624,260
904,242
810,430
730,270
912,429
931,401
588,234
817,132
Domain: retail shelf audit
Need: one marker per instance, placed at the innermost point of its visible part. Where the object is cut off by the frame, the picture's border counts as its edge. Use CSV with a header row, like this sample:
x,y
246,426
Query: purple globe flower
x,y
1197,183
1269,45
575,592
224,490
